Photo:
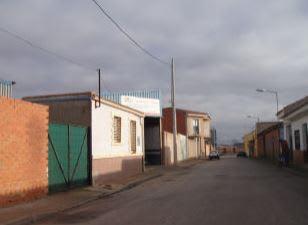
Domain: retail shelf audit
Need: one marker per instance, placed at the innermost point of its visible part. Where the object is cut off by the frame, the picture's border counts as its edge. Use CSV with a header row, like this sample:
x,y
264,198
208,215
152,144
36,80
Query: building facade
x,y
116,140
193,135
250,143
148,102
269,141
295,129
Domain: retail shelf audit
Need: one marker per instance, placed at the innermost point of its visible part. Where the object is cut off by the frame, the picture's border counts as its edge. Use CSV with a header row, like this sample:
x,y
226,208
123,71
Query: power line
x,y
31,44
128,35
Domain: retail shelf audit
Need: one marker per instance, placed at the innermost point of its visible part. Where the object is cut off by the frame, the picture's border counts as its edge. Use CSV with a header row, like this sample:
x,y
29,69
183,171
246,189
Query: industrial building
x,y
148,102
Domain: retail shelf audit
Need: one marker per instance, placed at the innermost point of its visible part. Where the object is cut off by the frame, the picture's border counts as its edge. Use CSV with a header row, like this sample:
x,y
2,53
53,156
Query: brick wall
x,y
23,151
180,118
272,145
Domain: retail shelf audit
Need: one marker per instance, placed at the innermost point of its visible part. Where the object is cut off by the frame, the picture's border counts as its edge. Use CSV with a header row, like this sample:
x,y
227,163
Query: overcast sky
x,y
223,51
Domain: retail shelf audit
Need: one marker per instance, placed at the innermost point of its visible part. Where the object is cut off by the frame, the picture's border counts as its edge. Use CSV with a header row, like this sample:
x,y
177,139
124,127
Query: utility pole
x,y
173,112
277,102
99,88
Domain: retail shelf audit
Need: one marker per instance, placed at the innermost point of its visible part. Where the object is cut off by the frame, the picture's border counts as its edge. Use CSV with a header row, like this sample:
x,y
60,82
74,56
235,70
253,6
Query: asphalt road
x,y
226,192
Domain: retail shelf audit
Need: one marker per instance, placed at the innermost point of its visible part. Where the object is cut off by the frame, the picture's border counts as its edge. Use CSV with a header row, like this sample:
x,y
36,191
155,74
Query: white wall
x,y
207,128
297,125
102,132
296,120
182,153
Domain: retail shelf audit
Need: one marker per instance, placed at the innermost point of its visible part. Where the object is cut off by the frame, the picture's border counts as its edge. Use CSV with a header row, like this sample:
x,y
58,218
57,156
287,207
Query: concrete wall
x,y
105,152
182,153
194,148
73,112
76,112
23,151
207,128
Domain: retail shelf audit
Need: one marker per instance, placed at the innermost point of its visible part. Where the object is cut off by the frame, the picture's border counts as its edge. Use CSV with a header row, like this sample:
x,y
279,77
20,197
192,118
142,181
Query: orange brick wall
x,y
23,151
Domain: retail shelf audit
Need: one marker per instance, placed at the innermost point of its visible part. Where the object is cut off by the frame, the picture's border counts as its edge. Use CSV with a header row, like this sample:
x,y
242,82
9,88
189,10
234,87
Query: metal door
x,y
68,161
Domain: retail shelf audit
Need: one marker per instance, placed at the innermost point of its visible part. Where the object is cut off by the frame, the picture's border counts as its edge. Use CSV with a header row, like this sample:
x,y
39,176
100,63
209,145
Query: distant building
x,y
214,137
250,143
193,135
253,146
239,146
6,88
295,129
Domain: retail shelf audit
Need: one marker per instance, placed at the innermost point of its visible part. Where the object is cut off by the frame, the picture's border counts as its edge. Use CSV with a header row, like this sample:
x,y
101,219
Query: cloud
x,y
224,50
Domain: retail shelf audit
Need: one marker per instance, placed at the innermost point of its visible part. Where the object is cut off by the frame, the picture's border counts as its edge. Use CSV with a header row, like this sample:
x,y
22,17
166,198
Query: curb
x,y
37,218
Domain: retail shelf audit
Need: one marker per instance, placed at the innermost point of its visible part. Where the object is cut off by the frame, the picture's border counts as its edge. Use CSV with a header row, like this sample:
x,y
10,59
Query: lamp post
x,y
272,92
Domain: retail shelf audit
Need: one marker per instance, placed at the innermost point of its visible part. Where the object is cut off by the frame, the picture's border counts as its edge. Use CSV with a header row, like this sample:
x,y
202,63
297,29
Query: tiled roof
x,y
262,126
289,109
191,112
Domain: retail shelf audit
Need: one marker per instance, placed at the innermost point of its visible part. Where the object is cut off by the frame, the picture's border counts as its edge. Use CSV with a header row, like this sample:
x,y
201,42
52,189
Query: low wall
x,y
298,157
108,170
23,151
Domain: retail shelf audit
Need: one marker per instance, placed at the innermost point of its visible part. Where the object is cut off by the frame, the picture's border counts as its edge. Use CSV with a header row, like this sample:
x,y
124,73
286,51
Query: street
x,y
229,191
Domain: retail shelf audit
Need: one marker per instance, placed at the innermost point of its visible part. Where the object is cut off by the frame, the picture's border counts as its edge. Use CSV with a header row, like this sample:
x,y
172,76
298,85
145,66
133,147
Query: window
x,y
196,126
133,136
117,129
297,138
305,136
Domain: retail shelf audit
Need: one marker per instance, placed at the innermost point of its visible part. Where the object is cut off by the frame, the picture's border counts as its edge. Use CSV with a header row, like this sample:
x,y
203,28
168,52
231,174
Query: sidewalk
x,y
34,211
298,170
30,212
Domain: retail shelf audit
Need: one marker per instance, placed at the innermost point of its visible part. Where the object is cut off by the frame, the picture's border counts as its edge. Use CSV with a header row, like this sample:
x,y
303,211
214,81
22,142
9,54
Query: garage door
x,y
68,157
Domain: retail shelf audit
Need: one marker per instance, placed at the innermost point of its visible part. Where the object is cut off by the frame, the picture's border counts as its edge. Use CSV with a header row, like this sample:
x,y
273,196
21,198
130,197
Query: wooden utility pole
x,y
99,87
173,112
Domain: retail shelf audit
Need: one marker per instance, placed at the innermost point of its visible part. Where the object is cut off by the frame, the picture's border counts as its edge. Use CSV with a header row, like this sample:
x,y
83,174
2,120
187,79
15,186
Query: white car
x,y
214,155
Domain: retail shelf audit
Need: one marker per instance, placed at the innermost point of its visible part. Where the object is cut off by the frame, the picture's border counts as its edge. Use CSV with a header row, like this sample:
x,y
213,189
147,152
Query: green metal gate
x,y
68,160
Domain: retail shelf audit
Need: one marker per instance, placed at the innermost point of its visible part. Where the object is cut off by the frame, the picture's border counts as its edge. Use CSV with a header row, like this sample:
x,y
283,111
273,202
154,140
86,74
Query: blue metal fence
x,y
6,88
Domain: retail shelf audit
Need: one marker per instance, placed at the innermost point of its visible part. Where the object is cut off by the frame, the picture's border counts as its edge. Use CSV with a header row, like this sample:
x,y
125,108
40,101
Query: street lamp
x,y
254,117
272,92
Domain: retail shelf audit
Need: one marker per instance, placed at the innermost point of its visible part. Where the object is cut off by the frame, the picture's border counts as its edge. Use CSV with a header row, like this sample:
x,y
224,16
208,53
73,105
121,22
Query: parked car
x,y
241,154
214,155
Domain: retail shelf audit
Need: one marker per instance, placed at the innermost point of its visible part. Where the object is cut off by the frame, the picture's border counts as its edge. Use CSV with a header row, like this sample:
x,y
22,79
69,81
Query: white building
x,y
148,102
295,119
117,134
